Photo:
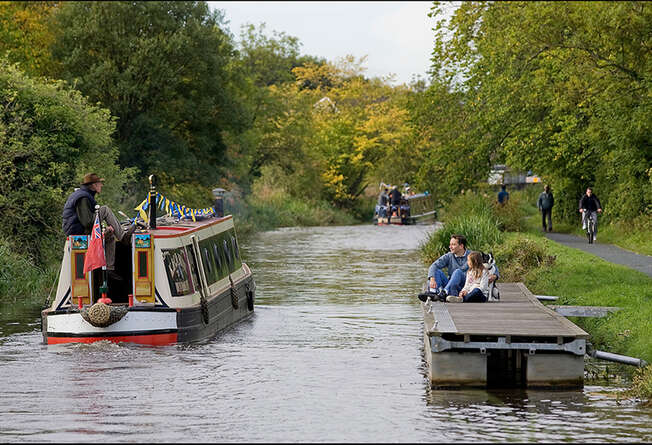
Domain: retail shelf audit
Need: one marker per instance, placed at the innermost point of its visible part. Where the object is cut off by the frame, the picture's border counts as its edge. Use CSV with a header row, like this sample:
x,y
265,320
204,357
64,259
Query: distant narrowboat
x,y
412,209
181,279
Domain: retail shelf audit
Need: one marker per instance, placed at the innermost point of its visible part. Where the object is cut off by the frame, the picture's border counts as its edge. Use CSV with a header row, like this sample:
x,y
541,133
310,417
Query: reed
x,y
20,278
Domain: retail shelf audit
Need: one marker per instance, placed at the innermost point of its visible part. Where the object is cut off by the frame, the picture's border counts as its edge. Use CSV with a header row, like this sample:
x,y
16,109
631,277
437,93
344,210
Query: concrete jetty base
x,y
514,343
503,369
456,369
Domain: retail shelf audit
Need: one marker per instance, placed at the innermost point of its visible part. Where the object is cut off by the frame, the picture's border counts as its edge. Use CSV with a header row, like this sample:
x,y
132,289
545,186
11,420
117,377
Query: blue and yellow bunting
x,y
173,209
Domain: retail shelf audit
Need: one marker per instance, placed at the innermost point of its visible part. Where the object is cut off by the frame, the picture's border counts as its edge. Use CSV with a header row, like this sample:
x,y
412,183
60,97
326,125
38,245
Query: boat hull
x,y
152,325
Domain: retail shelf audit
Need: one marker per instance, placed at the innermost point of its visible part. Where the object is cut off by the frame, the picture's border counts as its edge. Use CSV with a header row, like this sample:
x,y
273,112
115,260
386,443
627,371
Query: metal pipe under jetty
x,y
514,342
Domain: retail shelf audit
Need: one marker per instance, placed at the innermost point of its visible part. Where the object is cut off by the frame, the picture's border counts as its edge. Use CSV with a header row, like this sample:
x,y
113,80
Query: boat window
x,y
79,266
236,252
210,268
194,270
218,258
142,264
227,251
176,268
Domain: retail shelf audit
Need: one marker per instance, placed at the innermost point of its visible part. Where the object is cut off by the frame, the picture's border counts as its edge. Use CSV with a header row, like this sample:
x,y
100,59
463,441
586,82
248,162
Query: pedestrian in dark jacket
x,y
503,195
545,203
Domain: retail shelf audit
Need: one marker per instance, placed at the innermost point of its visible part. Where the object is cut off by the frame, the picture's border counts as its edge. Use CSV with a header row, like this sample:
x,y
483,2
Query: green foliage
x,y
270,60
480,230
50,137
25,35
518,256
164,70
560,88
20,279
642,385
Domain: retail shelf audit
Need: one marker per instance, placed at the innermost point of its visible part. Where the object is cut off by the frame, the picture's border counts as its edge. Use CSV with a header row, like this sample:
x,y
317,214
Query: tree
x,y
51,137
559,88
25,36
164,70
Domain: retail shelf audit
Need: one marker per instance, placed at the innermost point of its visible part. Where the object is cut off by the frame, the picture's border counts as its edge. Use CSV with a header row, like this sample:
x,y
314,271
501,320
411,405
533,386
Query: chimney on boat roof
x,y
218,193
152,202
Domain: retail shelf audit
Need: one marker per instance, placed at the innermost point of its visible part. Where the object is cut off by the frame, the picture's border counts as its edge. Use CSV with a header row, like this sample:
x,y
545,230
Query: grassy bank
x,y
548,268
21,280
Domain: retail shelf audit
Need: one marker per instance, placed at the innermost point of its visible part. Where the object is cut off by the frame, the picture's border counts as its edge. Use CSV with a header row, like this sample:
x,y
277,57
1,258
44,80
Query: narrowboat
x,y
181,279
413,208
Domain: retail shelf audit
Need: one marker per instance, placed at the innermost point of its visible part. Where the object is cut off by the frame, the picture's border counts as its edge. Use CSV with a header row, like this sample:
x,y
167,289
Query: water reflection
x,y
334,353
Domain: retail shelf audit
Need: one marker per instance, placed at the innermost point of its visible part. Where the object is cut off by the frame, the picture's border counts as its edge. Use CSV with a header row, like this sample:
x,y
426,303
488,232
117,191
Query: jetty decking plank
x,y
518,313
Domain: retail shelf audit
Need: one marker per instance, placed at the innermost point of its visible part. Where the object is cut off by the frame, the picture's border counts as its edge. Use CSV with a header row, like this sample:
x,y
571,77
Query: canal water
x,y
333,353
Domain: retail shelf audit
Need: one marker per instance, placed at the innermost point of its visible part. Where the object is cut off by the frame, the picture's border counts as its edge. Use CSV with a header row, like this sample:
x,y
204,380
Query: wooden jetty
x,y
516,342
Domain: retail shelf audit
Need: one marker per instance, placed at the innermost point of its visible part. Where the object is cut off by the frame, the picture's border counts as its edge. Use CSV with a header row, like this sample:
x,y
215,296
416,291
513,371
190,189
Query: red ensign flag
x,y
95,253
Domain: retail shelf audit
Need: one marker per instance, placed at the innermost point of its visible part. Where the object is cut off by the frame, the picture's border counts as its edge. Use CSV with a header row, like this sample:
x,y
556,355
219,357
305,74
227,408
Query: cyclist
x,y
589,208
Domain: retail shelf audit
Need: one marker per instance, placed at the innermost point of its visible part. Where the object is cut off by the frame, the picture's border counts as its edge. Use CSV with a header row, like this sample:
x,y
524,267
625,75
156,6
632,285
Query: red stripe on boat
x,y
153,339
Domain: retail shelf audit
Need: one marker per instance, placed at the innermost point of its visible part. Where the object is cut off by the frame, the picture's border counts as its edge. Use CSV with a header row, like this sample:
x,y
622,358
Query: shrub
x,y
481,232
519,256
642,385
50,137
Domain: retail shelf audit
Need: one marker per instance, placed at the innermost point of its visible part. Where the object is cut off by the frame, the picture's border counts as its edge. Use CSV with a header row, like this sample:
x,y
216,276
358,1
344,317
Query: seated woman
x,y
476,287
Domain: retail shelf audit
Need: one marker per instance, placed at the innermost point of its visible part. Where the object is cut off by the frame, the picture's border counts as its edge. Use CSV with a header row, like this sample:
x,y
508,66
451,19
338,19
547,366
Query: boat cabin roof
x,y
184,227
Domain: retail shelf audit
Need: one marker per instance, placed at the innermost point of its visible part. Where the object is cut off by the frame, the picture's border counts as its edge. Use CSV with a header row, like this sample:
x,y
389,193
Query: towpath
x,y
608,252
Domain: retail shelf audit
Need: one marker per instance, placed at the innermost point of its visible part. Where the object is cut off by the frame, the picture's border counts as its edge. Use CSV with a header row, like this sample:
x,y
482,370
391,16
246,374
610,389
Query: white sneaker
x,y
594,238
453,299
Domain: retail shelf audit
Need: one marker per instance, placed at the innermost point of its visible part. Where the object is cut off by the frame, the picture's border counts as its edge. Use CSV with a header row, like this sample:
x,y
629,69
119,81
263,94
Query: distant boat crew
x,y
405,208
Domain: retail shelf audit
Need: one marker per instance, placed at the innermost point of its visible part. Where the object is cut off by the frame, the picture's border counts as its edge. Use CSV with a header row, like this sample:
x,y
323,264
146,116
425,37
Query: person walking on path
x,y
589,208
545,203
503,195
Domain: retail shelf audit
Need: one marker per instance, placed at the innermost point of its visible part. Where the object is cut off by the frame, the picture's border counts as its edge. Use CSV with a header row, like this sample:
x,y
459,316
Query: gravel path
x,y
608,252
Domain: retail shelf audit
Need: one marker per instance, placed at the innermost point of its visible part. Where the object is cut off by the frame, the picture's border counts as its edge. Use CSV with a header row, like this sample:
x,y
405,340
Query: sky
x,y
396,36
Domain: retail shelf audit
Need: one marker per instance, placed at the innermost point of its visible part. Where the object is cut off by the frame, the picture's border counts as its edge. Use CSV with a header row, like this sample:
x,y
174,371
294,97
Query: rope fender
x,y
101,315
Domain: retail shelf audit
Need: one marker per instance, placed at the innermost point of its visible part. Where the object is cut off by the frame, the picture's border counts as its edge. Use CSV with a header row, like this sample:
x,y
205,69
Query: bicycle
x,y
590,221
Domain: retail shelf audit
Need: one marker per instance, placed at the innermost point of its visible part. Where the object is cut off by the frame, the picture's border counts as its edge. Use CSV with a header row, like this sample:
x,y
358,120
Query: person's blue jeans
x,y
475,296
452,285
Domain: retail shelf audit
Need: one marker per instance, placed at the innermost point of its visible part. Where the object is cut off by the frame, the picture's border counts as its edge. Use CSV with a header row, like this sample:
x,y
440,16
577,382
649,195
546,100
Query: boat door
x,y
80,282
142,246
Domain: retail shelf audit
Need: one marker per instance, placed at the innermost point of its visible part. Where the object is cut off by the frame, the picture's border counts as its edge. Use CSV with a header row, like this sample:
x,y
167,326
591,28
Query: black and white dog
x,y
489,263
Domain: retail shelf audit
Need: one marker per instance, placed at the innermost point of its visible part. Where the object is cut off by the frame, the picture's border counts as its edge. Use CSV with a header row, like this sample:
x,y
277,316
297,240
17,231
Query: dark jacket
x,y
395,197
546,201
71,224
592,203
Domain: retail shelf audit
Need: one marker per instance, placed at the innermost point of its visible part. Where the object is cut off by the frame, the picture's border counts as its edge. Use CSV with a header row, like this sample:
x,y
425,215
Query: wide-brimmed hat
x,y
91,178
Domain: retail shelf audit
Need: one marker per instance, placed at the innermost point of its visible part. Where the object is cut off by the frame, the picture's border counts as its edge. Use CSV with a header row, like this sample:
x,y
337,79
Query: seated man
x,y
455,262
79,216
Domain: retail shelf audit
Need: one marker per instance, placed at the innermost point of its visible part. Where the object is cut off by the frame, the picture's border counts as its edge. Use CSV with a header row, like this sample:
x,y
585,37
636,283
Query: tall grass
x,y
481,233
20,279
470,215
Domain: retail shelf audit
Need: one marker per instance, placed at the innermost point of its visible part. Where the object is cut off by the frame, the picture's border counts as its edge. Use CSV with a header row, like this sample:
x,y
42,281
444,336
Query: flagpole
x,y
103,287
